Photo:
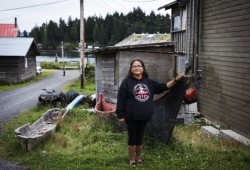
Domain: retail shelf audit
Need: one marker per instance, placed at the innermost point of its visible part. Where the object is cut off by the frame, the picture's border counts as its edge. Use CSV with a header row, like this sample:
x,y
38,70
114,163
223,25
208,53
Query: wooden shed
x,y
17,59
112,63
216,39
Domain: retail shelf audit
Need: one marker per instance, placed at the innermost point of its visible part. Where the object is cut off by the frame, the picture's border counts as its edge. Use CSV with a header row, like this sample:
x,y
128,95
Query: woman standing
x,y
135,105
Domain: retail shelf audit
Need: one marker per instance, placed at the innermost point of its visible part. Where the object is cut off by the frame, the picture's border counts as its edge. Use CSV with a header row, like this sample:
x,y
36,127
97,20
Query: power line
x,y
138,26
31,6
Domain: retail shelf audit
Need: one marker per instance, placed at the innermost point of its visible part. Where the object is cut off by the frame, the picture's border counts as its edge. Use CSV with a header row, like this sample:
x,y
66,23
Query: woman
x,y
135,105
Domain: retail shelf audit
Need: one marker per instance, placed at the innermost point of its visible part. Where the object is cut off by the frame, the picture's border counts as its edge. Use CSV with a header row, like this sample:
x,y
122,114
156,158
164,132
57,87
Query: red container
x,y
190,96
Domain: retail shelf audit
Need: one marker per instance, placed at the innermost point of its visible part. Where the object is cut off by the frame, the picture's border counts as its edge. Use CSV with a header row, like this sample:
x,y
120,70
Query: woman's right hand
x,y
122,121
179,77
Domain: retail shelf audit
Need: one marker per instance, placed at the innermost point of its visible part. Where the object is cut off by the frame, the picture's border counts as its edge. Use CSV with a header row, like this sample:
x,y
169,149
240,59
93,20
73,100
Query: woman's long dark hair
x,y
144,74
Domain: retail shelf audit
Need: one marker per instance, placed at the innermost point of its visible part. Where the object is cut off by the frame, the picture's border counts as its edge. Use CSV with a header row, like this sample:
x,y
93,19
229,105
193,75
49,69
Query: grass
x,y
85,141
59,65
89,87
5,87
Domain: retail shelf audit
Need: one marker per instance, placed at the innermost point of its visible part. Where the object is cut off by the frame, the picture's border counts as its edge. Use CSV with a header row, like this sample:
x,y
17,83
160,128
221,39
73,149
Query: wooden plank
x,y
205,67
227,49
109,59
224,53
237,84
231,20
236,29
219,86
218,97
224,68
114,87
226,59
225,113
242,81
232,123
225,12
214,5
217,100
108,65
227,64
226,35
108,82
233,24
225,44
241,77
108,69
107,74
108,78
228,91
227,39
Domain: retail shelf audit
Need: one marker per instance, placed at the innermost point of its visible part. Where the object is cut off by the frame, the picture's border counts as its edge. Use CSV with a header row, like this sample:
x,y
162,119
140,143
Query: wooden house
x,y
17,59
113,63
213,36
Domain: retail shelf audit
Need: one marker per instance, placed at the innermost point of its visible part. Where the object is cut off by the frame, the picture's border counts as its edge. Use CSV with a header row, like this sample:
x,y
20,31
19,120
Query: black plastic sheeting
x,y
166,110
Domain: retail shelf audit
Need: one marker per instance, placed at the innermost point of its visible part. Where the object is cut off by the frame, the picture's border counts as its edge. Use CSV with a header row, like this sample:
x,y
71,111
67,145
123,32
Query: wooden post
x,y
63,60
82,42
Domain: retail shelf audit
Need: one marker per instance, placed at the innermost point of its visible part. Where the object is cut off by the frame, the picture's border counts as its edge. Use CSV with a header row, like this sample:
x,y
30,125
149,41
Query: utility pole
x,y
82,42
63,60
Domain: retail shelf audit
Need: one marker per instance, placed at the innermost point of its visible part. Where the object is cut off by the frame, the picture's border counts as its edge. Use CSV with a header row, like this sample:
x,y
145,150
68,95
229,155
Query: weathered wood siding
x,y
30,71
105,75
9,69
224,58
160,66
12,69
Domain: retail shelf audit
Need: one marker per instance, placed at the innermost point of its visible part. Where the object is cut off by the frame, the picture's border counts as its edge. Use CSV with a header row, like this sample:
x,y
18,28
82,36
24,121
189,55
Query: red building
x,y
9,30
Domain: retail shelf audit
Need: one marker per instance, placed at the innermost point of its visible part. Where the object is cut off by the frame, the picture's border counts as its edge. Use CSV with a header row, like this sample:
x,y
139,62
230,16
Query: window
x,y
177,23
180,64
180,20
25,62
184,19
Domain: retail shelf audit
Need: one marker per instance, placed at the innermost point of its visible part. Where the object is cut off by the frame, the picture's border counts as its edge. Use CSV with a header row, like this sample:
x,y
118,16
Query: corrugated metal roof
x,y
8,30
143,39
15,46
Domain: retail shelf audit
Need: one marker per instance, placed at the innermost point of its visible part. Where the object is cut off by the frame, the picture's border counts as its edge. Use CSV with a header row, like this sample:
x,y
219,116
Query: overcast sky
x,y
30,13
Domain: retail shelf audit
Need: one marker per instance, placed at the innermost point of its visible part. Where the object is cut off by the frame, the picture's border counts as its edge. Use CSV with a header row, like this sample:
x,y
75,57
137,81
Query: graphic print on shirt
x,y
141,92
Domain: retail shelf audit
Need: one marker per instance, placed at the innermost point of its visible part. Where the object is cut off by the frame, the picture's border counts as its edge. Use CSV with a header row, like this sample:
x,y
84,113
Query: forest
x,y
99,31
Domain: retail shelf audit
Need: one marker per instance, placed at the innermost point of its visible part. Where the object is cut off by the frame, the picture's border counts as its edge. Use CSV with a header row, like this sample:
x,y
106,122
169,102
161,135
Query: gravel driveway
x,y
18,100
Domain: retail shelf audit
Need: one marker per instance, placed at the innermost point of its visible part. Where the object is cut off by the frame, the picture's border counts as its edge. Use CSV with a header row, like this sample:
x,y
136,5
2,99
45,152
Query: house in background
x,y
17,59
113,63
9,30
213,37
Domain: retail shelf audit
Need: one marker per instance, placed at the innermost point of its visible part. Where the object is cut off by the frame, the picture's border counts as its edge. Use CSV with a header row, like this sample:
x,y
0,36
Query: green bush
x,y
90,70
54,65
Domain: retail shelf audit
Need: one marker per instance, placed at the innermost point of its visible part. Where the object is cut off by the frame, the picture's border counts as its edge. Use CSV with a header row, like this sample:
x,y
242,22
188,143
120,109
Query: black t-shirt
x,y
135,97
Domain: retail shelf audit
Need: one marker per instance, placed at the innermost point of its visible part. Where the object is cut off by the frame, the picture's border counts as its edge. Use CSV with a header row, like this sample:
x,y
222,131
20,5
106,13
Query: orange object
x,y
104,108
190,96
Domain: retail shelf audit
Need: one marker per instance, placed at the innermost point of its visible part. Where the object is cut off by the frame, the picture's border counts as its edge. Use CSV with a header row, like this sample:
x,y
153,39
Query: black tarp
x,y
166,110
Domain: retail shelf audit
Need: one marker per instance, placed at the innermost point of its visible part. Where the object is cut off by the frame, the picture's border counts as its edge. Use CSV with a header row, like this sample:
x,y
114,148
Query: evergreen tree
x,y
99,31
45,37
25,33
